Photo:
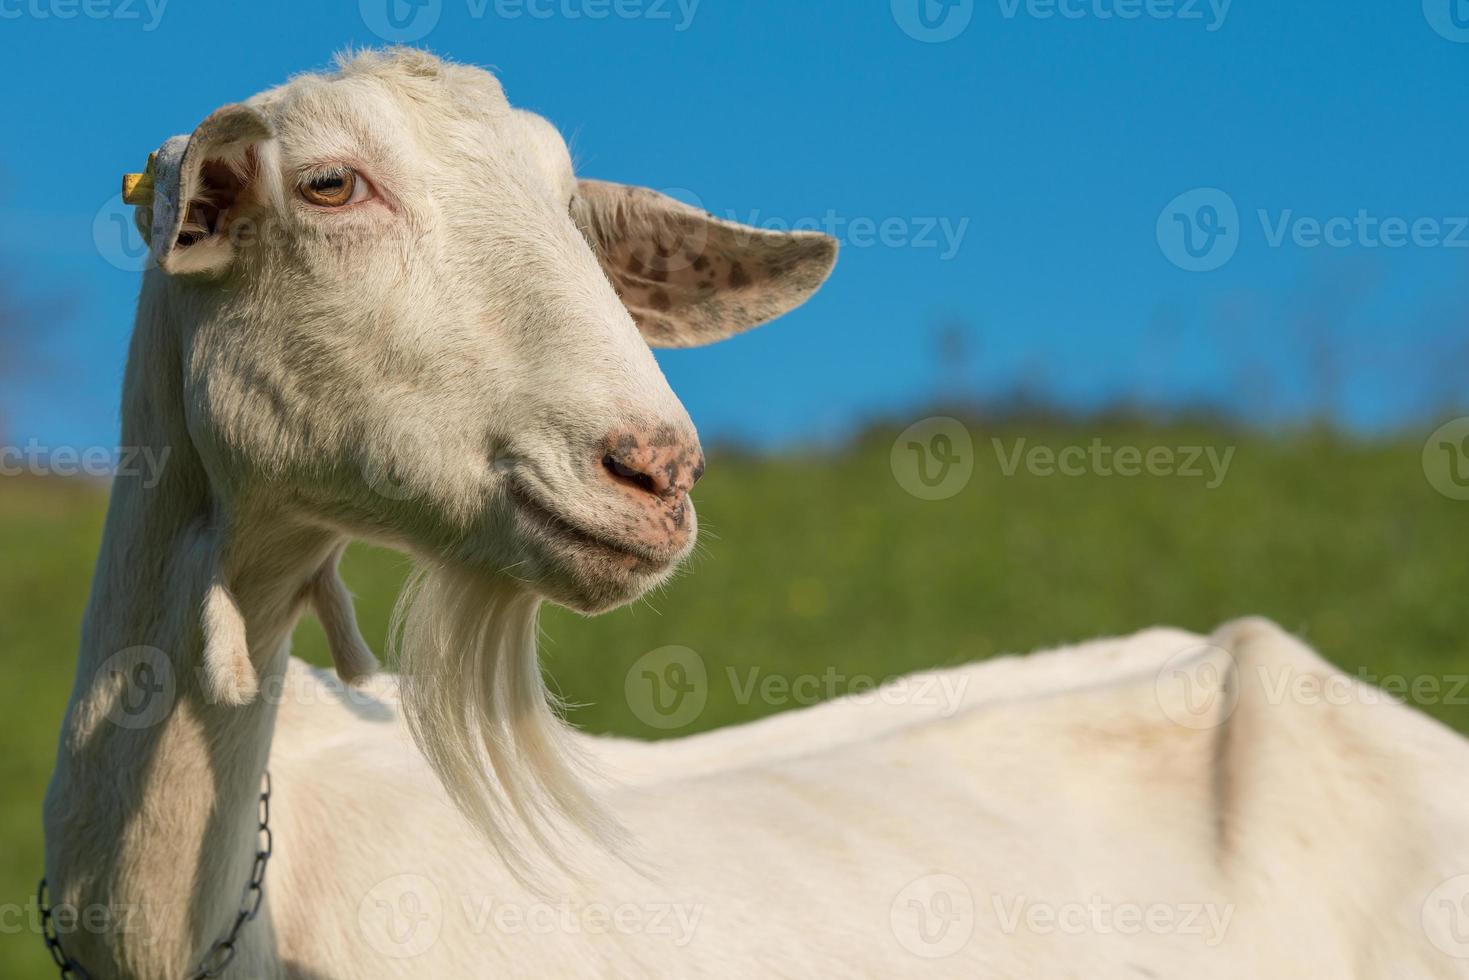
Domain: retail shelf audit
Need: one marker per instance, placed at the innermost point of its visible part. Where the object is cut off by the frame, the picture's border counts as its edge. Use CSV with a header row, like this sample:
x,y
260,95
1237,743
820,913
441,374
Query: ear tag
x,y
137,189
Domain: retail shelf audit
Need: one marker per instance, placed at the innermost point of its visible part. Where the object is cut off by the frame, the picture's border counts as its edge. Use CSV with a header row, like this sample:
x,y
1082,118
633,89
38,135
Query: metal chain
x,y
222,953
70,968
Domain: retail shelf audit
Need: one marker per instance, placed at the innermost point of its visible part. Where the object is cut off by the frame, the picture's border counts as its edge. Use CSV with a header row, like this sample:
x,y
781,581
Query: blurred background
x,y
1147,312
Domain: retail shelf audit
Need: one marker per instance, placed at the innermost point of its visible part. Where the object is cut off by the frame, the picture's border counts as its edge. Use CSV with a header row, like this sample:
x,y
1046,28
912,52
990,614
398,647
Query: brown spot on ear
x,y
635,265
701,263
660,301
659,267
737,277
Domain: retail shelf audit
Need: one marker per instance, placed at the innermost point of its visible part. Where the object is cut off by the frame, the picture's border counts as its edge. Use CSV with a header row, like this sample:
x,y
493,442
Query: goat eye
x,y
334,189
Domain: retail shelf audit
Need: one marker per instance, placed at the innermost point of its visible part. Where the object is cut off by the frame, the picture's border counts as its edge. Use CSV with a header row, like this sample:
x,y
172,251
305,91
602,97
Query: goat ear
x,y
197,186
332,604
689,278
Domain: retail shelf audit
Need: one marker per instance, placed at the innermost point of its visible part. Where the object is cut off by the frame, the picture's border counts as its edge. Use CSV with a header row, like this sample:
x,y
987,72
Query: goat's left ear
x,y
689,278
198,185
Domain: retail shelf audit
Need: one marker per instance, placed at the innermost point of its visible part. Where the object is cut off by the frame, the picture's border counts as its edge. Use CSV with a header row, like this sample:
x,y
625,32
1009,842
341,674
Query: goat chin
x,y
478,708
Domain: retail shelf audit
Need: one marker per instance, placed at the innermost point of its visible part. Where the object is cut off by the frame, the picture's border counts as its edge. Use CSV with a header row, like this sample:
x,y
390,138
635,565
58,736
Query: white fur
x,y
396,372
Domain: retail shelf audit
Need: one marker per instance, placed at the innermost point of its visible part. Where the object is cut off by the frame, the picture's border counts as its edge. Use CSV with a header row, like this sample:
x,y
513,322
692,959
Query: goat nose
x,y
660,465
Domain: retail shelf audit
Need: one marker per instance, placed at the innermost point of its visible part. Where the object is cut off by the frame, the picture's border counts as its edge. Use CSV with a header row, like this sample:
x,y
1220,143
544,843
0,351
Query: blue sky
x,y
1261,205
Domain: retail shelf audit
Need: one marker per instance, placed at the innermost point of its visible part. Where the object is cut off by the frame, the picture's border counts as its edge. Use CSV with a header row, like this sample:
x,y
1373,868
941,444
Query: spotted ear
x,y
689,278
198,186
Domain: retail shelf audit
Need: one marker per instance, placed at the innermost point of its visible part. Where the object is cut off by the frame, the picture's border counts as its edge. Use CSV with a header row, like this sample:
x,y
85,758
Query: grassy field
x,y
827,569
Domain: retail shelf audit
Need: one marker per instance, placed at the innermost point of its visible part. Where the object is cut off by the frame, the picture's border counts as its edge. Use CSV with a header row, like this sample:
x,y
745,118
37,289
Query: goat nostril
x,y
627,474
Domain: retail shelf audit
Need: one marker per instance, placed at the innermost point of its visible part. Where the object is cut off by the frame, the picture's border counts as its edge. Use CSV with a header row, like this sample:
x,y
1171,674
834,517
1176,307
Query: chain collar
x,y
222,952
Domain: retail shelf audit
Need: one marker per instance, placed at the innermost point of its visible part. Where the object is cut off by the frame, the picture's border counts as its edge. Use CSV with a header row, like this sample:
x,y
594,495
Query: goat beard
x,y
477,706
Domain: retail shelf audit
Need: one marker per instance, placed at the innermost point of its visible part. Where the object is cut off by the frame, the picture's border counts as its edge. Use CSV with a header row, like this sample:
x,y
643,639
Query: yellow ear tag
x,y
138,188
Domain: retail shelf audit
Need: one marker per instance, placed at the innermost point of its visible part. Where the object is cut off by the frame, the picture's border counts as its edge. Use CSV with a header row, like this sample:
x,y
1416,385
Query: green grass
x,y
826,568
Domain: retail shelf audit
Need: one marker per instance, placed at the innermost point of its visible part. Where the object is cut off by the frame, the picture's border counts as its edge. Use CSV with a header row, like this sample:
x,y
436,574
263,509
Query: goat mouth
x,y
551,523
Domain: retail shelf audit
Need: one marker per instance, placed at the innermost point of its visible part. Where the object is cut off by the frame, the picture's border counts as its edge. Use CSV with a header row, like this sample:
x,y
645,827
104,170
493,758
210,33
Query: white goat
x,y
382,307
